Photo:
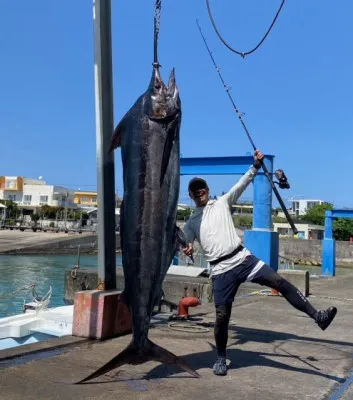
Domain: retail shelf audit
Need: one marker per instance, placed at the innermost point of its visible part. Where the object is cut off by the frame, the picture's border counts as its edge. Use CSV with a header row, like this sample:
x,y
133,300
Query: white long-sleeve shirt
x,y
212,226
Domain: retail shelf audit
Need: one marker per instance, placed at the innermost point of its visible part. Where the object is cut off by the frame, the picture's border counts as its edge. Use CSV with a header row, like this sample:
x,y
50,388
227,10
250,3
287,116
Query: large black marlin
x,y
149,139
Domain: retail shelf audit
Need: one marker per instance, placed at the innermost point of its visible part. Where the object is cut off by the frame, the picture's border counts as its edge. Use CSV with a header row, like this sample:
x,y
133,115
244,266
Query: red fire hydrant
x,y
185,303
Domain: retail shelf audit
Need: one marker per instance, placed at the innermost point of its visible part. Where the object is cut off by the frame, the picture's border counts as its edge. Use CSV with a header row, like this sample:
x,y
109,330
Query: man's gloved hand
x,y
258,157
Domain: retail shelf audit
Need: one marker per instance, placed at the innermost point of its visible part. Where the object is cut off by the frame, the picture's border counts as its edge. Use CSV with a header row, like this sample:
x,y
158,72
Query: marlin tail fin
x,y
132,355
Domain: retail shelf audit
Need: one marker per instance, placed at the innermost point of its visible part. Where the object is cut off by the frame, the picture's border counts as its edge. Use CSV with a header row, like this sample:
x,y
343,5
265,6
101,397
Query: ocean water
x,y
17,272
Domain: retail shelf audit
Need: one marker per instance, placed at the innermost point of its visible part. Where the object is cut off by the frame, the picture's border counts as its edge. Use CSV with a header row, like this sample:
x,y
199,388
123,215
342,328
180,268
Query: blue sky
x,y
296,90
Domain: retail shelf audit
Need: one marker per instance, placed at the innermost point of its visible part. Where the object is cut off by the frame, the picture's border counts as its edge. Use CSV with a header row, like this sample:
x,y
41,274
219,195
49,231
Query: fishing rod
x,y
280,175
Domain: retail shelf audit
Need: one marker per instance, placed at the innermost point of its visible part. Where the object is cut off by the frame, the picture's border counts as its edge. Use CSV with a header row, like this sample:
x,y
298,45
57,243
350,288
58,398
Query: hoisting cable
x,y
157,22
227,89
246,53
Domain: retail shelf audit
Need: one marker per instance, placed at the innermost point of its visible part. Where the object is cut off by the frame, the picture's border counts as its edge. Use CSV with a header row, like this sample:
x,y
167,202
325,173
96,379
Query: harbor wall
x,y
174,287
88,245
310,250
299,250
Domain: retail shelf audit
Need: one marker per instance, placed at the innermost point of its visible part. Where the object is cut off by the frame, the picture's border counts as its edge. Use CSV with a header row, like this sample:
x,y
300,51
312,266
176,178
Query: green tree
x,y
12,210
183,215
49,212
343,229
242,221
316,214
276,219
76,215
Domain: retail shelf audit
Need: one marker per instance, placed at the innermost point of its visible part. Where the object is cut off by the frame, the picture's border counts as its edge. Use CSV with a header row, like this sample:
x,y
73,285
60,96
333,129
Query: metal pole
x,y
104,130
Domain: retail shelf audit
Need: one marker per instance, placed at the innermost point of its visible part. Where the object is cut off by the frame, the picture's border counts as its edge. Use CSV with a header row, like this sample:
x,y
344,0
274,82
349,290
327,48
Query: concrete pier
x,y
274,352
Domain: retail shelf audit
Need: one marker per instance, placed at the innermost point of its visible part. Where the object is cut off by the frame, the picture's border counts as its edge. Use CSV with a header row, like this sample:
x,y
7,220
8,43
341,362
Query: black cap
x,y
196,184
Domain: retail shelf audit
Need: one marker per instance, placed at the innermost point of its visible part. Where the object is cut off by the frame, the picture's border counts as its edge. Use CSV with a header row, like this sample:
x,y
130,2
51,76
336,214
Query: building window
x,y
43,199
94,199
311,204
11,183
27,198
12,197
84,199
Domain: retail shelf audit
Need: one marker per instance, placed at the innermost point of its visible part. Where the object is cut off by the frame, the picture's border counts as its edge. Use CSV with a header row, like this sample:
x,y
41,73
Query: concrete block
x,y
100,314
176,287
300,279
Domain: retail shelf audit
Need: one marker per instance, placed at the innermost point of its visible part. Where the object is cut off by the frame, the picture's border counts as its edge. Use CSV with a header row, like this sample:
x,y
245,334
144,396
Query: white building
x,y
300,206
32,193
305,231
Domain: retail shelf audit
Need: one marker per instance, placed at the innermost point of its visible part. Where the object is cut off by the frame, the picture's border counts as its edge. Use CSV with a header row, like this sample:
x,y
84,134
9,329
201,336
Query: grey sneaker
x,y
220,366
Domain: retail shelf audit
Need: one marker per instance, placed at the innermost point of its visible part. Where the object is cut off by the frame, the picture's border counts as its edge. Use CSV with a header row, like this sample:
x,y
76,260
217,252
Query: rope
x,y
332,298
74,271
263,292
190,328
197,328
242,54
157,22
27,288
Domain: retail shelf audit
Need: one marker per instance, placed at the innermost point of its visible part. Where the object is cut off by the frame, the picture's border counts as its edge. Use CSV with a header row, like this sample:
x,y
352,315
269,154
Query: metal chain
x,y
157,23
242,54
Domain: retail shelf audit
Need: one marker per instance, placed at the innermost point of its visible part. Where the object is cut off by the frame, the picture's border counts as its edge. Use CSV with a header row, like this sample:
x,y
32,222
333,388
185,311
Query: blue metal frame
x,y
260,240
329,244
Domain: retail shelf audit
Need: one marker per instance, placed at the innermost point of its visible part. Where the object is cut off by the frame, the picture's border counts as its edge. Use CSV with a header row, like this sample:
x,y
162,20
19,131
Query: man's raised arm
x,y
237,190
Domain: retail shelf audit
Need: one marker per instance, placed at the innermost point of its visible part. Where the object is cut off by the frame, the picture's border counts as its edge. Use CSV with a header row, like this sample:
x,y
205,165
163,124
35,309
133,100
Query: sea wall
x,y
310,250
69,245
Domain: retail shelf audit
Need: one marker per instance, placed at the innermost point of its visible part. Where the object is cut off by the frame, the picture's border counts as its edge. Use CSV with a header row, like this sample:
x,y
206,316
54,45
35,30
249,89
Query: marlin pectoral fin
x,y
117,135
180,240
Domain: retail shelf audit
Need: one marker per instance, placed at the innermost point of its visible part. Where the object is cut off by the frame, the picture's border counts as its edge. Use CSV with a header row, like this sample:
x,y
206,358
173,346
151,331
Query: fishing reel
x,y
282,179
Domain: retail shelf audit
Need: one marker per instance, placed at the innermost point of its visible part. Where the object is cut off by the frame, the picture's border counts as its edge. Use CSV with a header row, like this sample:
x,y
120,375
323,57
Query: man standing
x,y
231,263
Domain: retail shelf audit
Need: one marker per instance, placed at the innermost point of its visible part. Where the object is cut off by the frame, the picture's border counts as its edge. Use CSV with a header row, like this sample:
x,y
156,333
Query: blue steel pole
x,y
262,217
104,130
261,240
328,226
328,247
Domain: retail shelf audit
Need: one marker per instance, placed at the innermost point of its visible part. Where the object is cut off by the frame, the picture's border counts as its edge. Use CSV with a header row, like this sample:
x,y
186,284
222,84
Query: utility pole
x,y
67,195
104,130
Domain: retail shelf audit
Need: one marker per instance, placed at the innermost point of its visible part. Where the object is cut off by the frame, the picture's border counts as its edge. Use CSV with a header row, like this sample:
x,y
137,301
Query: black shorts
x,y
225,285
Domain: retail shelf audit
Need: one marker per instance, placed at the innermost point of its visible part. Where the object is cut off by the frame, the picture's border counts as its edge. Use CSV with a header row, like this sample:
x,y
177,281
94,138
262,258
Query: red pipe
x,y
185,303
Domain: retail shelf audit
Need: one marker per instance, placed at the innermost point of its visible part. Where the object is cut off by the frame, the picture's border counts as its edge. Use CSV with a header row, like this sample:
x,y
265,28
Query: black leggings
x,y
274,281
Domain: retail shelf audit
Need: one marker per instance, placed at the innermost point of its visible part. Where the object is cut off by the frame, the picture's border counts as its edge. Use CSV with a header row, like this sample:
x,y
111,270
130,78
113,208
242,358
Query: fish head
x,y
163,102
